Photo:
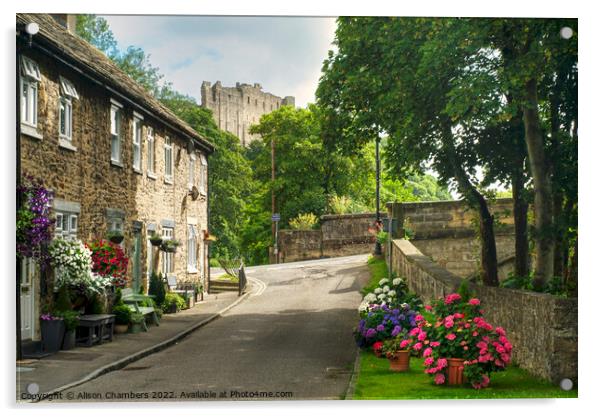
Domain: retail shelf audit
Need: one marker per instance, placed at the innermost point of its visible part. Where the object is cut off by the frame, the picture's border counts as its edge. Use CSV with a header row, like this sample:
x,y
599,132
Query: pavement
x,y
69,366
290,339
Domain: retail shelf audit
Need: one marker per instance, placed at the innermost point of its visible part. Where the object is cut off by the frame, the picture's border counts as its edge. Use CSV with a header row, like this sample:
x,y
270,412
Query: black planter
x,y
156,242
116,239
52,335
69,340
173,309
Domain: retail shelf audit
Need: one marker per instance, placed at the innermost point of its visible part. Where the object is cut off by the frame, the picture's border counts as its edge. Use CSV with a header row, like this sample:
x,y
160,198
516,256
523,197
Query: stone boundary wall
x,y
446,232
339,235
542,327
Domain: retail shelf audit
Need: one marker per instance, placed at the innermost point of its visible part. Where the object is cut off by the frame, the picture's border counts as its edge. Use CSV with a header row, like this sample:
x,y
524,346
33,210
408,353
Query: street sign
x,y
276,217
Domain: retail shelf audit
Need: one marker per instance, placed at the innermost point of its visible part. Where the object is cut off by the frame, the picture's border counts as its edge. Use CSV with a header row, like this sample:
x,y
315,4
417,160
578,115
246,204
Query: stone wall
x,y
339,235
446,232
84,179
235,109
542,327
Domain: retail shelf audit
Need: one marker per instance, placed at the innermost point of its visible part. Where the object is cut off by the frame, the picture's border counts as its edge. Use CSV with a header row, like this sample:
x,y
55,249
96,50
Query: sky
x,y
283,54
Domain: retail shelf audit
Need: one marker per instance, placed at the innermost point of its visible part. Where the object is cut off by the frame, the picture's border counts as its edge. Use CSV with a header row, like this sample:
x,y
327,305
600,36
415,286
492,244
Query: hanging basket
x,y
156,241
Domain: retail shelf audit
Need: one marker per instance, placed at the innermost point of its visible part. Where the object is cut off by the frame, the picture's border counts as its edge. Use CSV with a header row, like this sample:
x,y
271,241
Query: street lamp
x,y
378,224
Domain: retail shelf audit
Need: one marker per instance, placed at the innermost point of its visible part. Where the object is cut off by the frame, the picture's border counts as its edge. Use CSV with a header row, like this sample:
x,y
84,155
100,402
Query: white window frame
x,y
67,88
150,153
167,261
29,102
137,142
203,180
66,225
192,247
191,168
168,158
66,104
115,131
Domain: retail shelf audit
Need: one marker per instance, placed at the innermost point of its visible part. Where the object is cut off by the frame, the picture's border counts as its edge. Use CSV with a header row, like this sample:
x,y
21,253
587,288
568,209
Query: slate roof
x,y
92,61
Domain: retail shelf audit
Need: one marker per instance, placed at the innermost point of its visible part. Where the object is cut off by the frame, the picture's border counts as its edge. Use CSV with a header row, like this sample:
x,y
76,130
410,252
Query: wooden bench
x,y
96,328
132,300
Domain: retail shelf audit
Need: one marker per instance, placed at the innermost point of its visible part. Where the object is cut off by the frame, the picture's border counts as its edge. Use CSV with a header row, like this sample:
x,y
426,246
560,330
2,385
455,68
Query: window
x,y
168,147
192,249
150,259
167,264
137,142
66,225
203,183
191,165
150,149
68,89
65,118
30,76
115,132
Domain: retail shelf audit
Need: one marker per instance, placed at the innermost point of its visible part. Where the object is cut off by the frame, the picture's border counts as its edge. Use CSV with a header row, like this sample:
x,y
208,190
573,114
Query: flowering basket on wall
x,y
456,329
109,260
169,245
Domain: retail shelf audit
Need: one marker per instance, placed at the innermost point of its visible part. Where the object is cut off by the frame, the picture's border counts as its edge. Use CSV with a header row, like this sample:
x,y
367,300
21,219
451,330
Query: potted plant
x,y
71,320
377,349
170,245
155,239
136,320
198,292
173,303
463,347
399,358
115,236
53,330
123,316
381,322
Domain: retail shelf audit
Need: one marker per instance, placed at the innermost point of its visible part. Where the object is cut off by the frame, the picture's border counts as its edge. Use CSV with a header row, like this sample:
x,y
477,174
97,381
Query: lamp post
x,y
377,246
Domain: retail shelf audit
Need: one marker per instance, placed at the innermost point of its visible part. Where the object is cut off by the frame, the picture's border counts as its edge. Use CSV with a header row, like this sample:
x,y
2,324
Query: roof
x,y
93,62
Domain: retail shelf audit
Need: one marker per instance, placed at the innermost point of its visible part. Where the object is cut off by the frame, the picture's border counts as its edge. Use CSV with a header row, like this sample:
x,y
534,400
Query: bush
x,y
123,314
304,221
70,318
63,301
156,288
172,298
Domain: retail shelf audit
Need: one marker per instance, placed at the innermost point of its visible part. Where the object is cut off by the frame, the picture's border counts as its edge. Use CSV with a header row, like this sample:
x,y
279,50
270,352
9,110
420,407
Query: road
x,y
290,339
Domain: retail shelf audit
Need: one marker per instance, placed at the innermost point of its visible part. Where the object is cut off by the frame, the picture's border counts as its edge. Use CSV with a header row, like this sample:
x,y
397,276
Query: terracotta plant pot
x,y
400,362
455,371
121,328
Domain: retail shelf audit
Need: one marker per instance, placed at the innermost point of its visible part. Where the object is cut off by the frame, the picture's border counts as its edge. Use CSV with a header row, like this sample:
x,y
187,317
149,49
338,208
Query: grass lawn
x,y
378,271
376,382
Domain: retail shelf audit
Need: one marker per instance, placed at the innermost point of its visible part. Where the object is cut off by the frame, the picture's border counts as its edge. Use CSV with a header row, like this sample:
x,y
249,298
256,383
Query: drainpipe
x,y
18,263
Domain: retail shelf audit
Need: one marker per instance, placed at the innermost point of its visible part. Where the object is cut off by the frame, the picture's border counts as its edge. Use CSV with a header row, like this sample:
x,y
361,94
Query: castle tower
x,y
235,109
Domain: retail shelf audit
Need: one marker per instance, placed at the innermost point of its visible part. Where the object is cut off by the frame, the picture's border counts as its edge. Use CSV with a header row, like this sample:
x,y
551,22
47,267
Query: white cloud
x,y
284,54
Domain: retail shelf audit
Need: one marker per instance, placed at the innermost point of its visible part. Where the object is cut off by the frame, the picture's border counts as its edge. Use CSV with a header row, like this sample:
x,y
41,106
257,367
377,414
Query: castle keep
x,y
235,109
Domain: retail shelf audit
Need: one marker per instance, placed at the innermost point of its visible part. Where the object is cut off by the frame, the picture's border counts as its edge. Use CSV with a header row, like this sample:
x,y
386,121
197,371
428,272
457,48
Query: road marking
x,y
262,286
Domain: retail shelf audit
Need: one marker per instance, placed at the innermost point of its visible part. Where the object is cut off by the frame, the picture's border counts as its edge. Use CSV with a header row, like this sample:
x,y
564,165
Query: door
x,y
28,270
137,266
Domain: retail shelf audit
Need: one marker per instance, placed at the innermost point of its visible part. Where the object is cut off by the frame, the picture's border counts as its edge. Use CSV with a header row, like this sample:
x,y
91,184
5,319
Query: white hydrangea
x,y
378,290
383,281
381,296
363,306
386,288
392,293
370,297
396,281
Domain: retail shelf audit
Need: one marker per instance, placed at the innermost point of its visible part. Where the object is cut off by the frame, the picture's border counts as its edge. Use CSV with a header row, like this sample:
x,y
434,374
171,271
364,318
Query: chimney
x,y
67,21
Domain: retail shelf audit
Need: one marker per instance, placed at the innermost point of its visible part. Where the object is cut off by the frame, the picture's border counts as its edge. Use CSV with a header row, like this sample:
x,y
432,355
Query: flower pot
x,y
136,328
455,371
121,328
68,340
190,302
400,362
116,239
52,335
156,242
173,308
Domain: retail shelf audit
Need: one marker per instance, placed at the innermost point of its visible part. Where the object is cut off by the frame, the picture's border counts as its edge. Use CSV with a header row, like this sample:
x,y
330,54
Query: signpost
x,y
276,219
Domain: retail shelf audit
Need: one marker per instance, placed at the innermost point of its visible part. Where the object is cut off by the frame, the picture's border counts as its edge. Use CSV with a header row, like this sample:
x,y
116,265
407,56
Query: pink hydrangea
x,y
451,336
441,363
428,308
474,301
500,331
427,352
429,361
414,331
422,336
452,298
404,343
439,379
435,344
417,346
419,317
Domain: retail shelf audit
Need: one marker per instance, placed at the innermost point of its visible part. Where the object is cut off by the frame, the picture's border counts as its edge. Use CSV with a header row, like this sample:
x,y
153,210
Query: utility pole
x,y
377,246
274,224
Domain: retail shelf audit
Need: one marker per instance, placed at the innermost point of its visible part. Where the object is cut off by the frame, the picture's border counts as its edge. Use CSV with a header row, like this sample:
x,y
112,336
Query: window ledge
x,y
137,171
116,163
168,181
192,270
151,175
66,144
31,131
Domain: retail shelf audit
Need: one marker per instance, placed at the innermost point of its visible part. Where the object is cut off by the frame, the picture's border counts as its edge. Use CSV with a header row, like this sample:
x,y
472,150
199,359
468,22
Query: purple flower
x,y
396,331
380,328
370,333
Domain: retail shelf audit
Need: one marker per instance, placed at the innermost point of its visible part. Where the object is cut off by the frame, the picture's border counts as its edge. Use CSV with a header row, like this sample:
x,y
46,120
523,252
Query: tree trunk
x,y
521,234
572,278
560,244
544,204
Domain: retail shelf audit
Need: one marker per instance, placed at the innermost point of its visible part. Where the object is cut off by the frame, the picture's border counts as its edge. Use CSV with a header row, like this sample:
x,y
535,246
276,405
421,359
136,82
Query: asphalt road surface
x,y
290,340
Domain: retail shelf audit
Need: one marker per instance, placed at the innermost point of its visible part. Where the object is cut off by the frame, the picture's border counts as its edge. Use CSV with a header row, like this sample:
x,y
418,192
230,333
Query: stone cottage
x,y
114,156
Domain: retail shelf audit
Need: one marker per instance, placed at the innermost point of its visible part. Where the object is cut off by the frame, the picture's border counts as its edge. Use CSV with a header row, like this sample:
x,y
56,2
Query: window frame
x,y
168,148
137,142
29,102
167,258
65,228
191,168
115,131
203,186
150,152
65,101
192,248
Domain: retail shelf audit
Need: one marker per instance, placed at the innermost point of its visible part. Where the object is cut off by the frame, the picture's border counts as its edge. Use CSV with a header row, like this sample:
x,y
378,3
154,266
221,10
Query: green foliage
x,y
172,298
63,301
304,221
382,237
137,318
123,314
96,306
465,292
70,318
156,287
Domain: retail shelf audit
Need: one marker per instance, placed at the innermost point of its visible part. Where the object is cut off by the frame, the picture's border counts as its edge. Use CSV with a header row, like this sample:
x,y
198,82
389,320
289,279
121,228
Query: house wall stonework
x,y
82,174
235,109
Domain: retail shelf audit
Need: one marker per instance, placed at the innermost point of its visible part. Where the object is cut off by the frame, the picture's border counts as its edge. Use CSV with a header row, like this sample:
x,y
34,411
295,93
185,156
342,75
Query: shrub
x,y
70,318
380,323
304,221
123,314
392,292
172,298
156,288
